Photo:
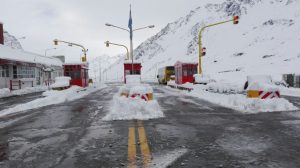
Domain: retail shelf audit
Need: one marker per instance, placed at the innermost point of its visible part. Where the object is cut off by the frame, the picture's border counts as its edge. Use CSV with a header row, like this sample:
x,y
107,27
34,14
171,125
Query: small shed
x,y
78,73
129,66
184,72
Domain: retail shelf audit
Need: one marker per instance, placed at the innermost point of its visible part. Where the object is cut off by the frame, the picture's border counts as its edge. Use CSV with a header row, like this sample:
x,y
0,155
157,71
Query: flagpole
x,y
131,43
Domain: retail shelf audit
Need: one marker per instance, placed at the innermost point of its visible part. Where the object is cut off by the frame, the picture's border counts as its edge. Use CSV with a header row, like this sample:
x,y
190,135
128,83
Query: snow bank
x,y
263,87
242,103
222,87
201,78
133,79
171,83
267,79
62,81
123,108
290,91
53,97
141,89
6,92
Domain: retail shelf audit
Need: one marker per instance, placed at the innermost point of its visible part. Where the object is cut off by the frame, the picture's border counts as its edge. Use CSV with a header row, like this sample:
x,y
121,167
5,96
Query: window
x,y
191,70
185,70
23,72
4,72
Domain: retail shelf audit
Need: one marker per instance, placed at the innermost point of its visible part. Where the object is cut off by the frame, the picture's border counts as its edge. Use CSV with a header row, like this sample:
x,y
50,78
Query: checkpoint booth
x,y
128,69
78,73
184,72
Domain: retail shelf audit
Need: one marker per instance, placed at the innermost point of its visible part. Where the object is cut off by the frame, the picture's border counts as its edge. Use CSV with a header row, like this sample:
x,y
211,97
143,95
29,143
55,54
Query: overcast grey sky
x,y
82,21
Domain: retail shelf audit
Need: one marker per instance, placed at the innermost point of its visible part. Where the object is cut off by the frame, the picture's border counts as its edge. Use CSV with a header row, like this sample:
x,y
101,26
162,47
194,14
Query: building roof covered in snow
x,y
8,53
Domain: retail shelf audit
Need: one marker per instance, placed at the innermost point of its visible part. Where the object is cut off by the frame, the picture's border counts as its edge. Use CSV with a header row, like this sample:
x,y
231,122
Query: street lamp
x,y
48,50
202,51
131,34
83,59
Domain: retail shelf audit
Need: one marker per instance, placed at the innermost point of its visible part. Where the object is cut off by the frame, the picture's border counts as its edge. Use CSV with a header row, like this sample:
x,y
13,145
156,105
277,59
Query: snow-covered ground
x,y
53,97
7,93
240,102
290,91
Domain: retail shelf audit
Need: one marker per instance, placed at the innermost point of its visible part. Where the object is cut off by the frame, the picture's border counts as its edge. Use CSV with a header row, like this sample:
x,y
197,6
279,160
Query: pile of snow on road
x,y
241,103
225,87
123,108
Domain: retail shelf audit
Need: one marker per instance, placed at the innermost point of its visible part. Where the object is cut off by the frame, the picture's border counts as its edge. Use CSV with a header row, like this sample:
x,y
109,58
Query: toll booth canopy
x,y
128,69
184,72
78,73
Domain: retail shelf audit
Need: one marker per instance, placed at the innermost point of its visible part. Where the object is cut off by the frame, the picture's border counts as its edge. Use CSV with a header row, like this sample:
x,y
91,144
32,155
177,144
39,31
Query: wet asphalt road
x,y
14,100
194,133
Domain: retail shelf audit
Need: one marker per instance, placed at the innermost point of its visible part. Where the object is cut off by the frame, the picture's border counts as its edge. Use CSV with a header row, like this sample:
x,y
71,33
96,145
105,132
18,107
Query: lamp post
x,y
48,50
83,59
130,31
235,20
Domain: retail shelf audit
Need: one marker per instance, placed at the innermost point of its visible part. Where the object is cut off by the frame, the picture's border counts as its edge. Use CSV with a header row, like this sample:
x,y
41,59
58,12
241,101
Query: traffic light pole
x,y
200,42
108,43
71,44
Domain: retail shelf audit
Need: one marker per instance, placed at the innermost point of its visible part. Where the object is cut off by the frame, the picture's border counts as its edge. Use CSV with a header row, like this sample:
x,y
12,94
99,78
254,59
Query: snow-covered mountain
x,y
11,41
266,41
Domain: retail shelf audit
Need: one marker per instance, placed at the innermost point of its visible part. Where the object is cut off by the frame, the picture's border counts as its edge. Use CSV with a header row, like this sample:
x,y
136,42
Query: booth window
x,y
23,72
4,73
185,70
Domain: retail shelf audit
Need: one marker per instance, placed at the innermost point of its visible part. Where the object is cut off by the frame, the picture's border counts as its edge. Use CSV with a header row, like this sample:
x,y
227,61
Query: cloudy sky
x,y
83,22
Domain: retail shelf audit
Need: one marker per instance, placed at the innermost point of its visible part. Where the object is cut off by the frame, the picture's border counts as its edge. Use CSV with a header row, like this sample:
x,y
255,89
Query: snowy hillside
x,y
11,41
100,64
266,41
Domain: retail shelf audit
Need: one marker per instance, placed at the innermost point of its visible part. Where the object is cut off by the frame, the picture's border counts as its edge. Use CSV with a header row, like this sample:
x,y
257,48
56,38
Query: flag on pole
x,y
130,23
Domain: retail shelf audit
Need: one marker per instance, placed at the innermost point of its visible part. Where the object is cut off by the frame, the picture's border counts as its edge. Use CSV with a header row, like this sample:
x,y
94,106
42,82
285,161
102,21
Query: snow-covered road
x,y
193,133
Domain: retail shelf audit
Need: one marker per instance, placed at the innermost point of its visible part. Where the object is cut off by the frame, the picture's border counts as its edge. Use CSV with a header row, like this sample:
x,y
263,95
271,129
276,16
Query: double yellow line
x,y
144,147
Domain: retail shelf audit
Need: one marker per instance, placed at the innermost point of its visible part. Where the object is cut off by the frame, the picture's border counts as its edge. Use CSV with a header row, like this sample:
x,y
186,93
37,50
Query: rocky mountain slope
x,y
266,41
11,41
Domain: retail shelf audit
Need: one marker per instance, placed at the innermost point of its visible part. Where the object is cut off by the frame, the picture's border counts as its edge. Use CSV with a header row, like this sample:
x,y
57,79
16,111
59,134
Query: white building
x,y
19,69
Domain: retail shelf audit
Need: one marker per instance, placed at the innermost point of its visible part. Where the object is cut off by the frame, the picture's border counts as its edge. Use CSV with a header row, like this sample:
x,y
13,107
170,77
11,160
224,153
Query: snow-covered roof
x,y
193,63
85,65
8,53
76,63
134,61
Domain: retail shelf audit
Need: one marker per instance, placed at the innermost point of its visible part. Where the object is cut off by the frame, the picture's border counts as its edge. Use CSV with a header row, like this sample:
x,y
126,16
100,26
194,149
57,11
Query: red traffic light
x,y
55,42
107,43
236,19
203,51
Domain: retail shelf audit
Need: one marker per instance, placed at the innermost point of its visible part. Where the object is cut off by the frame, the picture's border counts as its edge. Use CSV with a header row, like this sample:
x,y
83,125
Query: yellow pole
x,y
71,44
120,46
200,42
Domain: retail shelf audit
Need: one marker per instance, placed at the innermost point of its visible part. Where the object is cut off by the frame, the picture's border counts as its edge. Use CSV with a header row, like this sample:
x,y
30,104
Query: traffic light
x,y
236,19
203,51
55,42
107,43
83,59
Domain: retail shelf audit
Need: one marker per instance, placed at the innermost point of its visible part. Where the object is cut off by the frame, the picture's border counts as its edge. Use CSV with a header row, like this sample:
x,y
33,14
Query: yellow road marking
x,y
144,144
131,148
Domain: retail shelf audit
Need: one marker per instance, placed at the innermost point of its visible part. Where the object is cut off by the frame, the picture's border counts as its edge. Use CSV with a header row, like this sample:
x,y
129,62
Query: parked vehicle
x,y
164,74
